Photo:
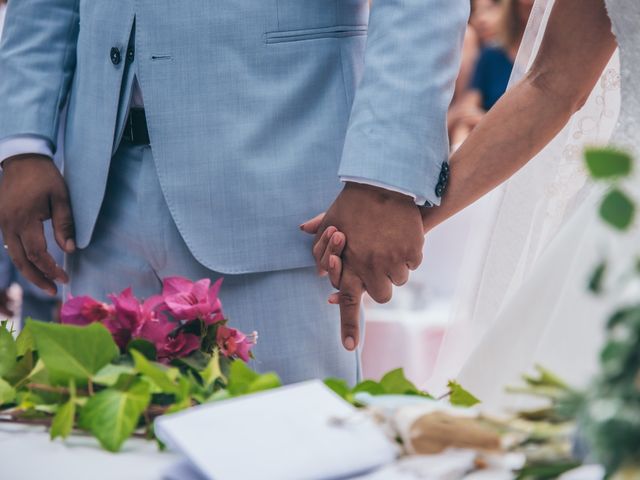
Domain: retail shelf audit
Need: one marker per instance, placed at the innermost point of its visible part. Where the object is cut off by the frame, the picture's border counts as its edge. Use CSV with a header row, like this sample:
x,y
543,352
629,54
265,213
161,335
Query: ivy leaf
x,y
25,341
339,386
7,392
605,163
460,397
370,387
266,381
8,350
617,210
112,415
110,373
164,379
63,420
212,371
143,346
71,352
395,383
243,380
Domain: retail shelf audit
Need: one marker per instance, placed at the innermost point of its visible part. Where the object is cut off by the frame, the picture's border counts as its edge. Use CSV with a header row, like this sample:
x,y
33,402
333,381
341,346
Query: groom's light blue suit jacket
x,y
253,106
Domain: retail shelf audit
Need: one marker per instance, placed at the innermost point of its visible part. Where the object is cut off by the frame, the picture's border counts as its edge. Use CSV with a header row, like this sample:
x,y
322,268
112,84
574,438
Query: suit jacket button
x,y
439,190
444,177
116,58
130,54
445,168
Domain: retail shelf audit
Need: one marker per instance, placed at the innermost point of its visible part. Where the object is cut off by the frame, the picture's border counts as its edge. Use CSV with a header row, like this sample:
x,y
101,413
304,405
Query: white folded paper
x,y
302,431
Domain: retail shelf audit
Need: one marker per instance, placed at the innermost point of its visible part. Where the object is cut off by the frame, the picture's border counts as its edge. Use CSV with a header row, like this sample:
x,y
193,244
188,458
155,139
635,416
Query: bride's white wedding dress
x,y
551,319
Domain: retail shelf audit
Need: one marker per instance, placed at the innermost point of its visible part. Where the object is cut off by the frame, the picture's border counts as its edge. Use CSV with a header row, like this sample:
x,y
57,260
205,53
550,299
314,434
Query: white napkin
x,y
287,433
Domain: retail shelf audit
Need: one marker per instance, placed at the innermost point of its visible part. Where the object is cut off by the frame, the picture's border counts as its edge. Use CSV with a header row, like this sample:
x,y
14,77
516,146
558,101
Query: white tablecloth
x,y
26,453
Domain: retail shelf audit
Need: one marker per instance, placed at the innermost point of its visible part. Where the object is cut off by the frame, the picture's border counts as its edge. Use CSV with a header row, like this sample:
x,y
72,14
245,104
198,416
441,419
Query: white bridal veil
x,y
531,208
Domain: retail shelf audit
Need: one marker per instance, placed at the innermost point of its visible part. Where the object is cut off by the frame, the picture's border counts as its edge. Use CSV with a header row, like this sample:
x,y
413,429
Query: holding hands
x,y
368,240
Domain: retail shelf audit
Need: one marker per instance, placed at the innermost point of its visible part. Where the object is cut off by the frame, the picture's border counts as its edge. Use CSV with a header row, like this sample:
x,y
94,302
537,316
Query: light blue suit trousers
x,y
137,243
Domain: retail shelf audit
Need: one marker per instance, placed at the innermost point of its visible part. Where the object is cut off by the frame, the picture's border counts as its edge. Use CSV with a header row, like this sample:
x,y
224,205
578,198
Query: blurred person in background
x,y
485,19
35,303
493,68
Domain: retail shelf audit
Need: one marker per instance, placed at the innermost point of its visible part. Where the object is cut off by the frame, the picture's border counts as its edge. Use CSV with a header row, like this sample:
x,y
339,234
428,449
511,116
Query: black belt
x,y
135,128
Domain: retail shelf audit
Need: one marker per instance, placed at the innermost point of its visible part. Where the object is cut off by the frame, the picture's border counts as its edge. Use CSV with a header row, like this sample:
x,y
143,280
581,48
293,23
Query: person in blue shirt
x,y
492,71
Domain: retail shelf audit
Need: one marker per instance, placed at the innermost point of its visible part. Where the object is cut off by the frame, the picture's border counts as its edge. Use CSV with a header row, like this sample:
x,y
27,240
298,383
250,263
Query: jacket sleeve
x,y
397,131
37,61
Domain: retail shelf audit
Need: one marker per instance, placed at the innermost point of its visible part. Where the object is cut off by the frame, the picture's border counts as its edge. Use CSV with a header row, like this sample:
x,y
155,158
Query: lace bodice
x,y
625,18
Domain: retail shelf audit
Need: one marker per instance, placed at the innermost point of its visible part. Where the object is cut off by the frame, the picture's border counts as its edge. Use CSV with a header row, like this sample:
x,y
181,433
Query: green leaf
x,y
604,163
112,415
212,371
8,351
7,392
62,423
109,374
21,370
339,386
370,387
597,278
617,210
71,352
243,380
240,377
460,397
266,381
395,383
145,347
25,341
163,377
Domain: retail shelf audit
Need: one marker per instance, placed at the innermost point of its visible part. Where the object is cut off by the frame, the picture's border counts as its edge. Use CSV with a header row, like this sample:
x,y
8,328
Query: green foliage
x,y
113,414
63,420
8,350
597,278
604,163
243,380
7,392
73,353
460,397
392,383
25,341
617,209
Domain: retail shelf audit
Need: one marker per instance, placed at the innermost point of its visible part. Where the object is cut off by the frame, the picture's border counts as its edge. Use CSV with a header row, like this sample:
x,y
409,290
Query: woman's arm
x,y
576,47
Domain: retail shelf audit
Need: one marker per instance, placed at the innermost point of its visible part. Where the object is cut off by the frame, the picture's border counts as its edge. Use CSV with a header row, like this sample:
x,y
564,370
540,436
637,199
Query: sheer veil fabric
x,y
532,207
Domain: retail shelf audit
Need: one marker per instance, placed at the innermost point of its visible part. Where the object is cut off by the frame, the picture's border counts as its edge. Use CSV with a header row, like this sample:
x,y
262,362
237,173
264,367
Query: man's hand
x,y
384,239
32,190
5,304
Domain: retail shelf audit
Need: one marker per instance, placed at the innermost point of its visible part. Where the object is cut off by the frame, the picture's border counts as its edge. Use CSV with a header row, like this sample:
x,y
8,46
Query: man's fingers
x,y
399,275
28,270
351,290
414,260
311,226
321,246
35,248
379,286
335,270
62,221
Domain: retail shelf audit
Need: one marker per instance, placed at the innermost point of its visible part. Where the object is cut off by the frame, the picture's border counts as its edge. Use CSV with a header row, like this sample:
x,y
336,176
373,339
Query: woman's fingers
x,y
311,226
335,270
321,246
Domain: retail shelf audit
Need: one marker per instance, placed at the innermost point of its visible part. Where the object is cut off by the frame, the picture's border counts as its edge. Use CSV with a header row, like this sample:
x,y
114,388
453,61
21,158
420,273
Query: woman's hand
x,y
328,251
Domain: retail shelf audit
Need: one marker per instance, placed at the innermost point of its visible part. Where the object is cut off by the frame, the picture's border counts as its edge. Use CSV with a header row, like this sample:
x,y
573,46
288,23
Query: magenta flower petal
x,y
84,310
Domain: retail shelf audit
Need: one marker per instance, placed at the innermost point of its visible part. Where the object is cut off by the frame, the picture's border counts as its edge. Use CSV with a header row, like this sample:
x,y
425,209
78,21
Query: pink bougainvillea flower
x,y
127,318
189,300
84,310
234,343
177,346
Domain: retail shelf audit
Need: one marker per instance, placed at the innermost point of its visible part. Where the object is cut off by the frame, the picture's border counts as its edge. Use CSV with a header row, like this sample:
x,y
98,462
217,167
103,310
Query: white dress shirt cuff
x,y
23,144
420,201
